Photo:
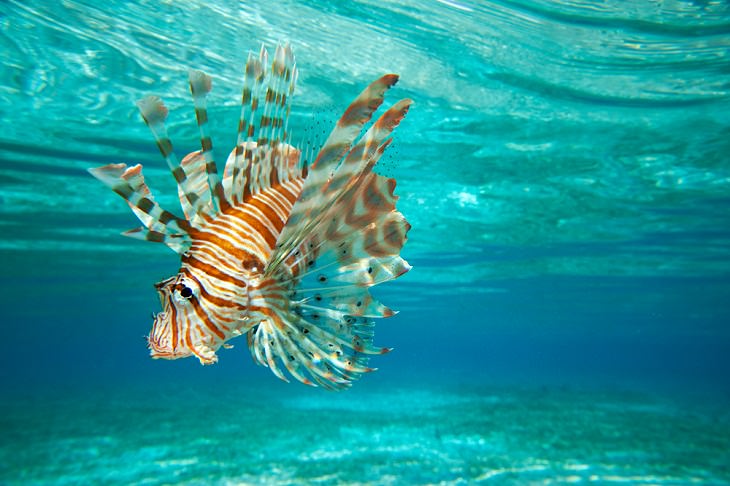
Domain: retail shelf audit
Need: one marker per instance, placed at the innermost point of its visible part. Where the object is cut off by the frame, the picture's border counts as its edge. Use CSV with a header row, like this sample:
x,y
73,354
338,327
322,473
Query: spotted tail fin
x,y
343,236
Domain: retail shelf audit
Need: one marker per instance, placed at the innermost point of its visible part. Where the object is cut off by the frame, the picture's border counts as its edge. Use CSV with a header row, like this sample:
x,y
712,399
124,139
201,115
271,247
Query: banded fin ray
x,y
263,157
162,226
195,195
200,86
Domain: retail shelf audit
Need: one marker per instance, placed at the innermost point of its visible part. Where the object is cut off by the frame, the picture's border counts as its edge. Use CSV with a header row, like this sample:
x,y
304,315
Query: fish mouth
x,y
157,342
161,350
157,354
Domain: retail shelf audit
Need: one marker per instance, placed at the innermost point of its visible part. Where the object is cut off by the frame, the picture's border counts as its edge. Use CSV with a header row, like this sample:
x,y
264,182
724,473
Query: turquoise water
x,y
566,171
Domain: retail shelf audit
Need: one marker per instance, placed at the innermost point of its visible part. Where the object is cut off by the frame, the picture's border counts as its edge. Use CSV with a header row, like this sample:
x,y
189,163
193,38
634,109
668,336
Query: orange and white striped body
x,y
276,250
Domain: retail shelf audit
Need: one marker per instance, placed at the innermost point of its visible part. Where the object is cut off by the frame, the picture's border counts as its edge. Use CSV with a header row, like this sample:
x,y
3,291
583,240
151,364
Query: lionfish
x,y
281,249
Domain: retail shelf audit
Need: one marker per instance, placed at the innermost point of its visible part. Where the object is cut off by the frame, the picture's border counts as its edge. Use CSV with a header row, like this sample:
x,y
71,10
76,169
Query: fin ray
x,y
162,226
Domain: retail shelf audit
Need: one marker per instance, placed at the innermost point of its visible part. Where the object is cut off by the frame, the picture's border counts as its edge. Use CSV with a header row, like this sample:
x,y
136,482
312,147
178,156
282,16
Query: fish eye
x,y
186,292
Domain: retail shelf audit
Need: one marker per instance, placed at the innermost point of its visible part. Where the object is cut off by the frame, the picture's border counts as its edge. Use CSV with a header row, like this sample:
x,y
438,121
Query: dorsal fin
x,y
162,226
190,188
200,86
197,202
262,154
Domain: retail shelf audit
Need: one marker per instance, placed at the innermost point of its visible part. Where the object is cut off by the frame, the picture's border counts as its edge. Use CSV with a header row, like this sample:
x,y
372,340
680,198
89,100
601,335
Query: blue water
x,y
566,171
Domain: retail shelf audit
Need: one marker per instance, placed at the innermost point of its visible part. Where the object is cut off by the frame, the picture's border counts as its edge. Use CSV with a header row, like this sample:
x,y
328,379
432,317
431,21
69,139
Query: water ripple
x,y
571,121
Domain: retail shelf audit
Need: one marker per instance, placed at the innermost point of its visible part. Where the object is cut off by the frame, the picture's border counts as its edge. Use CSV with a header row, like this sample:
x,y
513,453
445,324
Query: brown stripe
x,y
335,150
274,176
371,244
221,195
271,216
247,179
288,195
202,115
212,234
359,111
393,234
203,316
267,311
260,227
145,205
165,146
179,174
199,249
184,225
166,216
215,240
155,236
374,199
206,144
213,271
173,324
124,190
220,302
188,339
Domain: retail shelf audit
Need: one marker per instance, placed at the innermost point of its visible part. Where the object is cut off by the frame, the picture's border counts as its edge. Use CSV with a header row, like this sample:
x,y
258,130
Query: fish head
x,y
170,337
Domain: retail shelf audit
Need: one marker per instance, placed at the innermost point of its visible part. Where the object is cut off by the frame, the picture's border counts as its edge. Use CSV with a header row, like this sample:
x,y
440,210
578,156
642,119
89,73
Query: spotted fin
x,y
344,235
339,165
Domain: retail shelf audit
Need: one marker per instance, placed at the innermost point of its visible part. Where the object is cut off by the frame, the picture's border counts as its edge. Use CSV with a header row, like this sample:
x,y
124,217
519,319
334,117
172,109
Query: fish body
x,y
278,248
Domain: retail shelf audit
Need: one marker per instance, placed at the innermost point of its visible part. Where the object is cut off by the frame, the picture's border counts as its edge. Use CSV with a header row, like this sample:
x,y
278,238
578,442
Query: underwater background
x,y
566,171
